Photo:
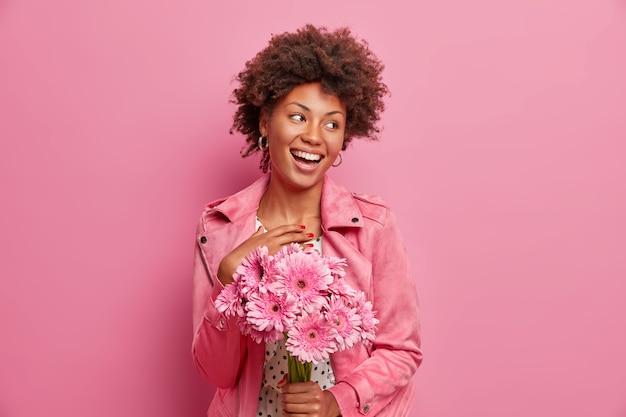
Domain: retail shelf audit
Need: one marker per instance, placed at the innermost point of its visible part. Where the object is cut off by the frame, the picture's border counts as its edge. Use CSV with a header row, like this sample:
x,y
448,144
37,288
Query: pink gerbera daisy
x,y
304,276
340,288
268,311
311,339
346,322
336,266
287,250
229,301
368,321
267,336
253,271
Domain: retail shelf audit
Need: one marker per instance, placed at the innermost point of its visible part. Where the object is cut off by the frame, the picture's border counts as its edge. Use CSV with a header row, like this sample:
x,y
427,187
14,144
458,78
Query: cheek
x,y
283,133
336,144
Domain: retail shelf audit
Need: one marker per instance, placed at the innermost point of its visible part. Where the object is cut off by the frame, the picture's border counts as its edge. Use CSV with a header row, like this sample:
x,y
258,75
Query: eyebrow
x,y
302,106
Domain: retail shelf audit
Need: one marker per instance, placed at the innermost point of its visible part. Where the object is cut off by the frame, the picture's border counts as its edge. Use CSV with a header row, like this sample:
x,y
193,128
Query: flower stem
x,y
298,371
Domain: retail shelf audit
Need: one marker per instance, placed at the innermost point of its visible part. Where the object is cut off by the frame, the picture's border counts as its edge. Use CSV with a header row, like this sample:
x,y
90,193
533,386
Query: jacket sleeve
x,y
218,347
381,380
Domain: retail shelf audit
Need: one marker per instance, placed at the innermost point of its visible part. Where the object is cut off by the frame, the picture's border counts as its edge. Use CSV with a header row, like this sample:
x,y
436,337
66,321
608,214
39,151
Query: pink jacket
x,y
369,381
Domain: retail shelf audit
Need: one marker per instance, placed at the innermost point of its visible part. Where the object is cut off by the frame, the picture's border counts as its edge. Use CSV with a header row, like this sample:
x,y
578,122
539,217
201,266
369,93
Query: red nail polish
x,y
302,226
309,245
309,235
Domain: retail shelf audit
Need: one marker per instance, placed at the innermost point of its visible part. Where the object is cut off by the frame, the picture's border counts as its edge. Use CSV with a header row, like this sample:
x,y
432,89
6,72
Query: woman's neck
x,y
280,205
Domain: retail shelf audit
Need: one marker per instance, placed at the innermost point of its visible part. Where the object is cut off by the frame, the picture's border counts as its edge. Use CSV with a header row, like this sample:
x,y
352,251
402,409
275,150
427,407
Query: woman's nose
x,y
312,135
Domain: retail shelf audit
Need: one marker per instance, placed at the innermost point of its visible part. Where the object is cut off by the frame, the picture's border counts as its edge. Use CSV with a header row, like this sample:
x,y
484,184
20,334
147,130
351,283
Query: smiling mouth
x,y
308,158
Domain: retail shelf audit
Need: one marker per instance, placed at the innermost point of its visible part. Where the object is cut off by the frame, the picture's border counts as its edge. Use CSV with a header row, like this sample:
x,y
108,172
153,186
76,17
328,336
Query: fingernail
x,y
309,235
308,245
302,226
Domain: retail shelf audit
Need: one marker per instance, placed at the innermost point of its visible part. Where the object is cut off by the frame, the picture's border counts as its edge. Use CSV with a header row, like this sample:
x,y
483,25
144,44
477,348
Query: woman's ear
x,y
263,122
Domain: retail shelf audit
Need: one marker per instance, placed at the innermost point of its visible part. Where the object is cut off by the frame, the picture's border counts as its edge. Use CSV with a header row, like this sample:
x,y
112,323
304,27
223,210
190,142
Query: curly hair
x,y
344,65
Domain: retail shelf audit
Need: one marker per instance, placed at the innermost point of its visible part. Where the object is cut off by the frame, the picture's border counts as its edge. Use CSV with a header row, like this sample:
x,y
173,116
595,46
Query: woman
x,y
301,101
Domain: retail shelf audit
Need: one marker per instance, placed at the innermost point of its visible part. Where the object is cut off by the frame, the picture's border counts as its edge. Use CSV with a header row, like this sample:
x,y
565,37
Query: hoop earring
x,y
340,161
263,143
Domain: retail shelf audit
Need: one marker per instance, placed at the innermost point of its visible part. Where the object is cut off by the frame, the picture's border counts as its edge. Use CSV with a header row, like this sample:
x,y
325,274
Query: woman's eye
x,y
297,117
332,125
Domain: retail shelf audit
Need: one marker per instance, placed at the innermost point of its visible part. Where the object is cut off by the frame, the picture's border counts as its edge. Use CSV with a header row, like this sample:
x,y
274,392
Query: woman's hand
x,y
308,399
273,239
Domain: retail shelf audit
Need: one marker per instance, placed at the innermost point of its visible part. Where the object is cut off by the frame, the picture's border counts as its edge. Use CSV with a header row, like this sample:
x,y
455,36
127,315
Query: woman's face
x,y
305,133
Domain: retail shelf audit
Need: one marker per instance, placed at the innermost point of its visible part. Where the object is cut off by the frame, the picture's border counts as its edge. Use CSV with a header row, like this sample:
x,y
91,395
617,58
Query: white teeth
x,y
307,156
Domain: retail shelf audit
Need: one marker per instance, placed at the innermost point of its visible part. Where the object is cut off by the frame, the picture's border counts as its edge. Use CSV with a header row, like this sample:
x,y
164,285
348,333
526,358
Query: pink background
x,y
502,155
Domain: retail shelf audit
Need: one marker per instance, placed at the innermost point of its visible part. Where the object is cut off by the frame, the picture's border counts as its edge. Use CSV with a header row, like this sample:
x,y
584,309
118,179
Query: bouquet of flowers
x,y
301,296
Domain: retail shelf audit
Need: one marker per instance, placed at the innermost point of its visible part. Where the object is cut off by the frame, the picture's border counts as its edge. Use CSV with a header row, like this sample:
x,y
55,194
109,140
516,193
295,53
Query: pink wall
x,y
507,126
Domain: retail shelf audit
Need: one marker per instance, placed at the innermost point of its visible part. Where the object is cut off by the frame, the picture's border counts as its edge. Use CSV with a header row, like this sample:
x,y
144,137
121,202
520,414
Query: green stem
x,y
298,371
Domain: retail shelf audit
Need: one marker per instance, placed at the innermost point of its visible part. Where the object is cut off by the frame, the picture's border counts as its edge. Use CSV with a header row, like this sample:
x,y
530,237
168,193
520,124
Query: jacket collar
x,y
339,208
244,201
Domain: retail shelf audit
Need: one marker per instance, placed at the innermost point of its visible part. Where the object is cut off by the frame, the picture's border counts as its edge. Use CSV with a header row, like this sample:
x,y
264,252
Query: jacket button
x,y
366,409
355,220
220,324
203,239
